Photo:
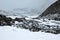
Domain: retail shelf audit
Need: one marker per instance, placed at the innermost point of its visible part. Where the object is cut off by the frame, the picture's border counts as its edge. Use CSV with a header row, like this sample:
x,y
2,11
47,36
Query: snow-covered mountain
x,y
21,12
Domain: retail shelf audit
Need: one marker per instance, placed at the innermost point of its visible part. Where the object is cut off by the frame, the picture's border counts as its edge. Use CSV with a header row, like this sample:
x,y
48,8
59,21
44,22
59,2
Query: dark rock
x,y
19,19
51,11
58,19
48,26
2,16
34,29
57,31
5,20
54,8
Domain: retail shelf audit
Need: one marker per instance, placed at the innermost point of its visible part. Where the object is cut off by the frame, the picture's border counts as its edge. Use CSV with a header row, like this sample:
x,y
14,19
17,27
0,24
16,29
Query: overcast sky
x,y
11,4
40,5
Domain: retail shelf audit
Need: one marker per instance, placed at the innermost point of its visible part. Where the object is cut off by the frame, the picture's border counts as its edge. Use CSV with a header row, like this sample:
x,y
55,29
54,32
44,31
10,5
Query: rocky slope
x,y
49,20
5,20
34,25
52,12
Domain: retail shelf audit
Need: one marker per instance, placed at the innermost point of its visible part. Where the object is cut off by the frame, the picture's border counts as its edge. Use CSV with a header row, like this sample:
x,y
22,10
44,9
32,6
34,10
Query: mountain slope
x,y
52,11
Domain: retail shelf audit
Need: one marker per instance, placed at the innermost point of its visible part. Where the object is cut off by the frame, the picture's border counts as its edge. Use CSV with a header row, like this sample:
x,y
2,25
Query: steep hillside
x,y
52,11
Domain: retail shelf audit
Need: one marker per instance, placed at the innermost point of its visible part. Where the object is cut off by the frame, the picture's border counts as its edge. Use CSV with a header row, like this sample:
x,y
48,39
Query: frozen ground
x,y
12,33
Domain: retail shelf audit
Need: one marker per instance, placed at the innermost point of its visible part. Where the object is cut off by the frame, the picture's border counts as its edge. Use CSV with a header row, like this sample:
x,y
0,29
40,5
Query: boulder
x,y
5,20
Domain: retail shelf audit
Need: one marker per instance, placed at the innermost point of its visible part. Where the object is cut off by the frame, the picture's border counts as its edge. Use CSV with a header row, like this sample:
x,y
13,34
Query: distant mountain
x,y
26,11
4,12
21,12
7,13
52,12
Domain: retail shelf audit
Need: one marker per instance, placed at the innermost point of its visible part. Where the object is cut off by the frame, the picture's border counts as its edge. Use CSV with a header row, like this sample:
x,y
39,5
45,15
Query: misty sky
x,y
11,4
40,5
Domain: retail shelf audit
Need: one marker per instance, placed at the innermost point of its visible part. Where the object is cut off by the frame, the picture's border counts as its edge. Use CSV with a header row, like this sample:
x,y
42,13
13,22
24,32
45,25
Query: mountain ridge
x,y
52,10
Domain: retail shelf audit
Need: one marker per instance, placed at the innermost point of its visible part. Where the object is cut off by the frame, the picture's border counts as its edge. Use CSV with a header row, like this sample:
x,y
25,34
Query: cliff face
x,y
52,11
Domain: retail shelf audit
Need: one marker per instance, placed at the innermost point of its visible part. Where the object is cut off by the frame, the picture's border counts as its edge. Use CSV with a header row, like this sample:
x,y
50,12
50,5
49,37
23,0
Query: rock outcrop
x,y
52,12
5,20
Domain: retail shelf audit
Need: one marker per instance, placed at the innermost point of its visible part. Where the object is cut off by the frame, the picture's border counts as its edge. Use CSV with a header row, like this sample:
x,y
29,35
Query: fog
x,y
40,5
11,4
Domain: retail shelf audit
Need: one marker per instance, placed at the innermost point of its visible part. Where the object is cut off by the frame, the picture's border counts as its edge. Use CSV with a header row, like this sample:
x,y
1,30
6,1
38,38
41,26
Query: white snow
x,y
13,17
12,33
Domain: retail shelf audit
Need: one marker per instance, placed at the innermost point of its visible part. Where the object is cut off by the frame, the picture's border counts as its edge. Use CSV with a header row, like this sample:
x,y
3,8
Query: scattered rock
x,y
5,20
32,25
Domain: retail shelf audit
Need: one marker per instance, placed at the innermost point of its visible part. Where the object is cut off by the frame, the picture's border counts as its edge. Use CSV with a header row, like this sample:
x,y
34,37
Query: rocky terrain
x,y
5,20
34,25
52,12
48,21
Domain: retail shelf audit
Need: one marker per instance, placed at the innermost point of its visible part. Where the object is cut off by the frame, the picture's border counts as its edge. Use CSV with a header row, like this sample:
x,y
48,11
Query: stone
x,y
5,20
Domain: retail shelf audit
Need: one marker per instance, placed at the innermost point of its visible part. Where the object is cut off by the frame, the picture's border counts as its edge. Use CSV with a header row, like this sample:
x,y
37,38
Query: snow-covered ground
x,y
12,33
